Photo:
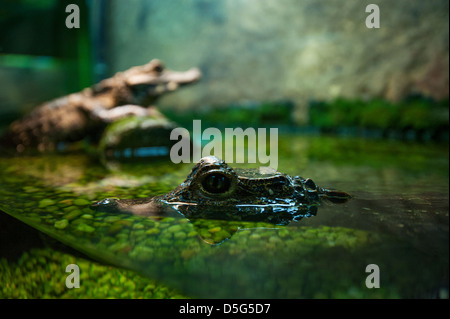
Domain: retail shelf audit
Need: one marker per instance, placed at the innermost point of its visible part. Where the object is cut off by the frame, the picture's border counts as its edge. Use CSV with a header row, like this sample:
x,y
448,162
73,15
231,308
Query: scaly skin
x,y
86,113
216,191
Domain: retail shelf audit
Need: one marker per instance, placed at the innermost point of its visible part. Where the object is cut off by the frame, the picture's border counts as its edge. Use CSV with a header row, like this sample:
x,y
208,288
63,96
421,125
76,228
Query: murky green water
x,y
398,220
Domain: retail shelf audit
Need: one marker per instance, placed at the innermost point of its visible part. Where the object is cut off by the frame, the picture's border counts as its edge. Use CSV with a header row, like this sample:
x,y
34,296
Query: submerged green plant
x,y
415,113
40,273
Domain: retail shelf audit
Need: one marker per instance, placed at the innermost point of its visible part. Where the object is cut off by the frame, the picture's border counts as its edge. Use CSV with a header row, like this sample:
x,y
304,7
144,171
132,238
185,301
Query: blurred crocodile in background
x,y
86,113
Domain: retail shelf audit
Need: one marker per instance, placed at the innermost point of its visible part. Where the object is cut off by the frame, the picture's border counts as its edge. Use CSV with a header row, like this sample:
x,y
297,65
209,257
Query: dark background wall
x,y
40,58
286,49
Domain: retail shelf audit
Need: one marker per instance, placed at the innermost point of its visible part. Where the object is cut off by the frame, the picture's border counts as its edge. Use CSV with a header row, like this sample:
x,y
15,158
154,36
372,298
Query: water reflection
x,y
397,218
213,224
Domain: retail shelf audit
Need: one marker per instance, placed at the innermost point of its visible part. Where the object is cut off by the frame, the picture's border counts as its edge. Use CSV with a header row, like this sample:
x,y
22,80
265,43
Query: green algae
x,y
261,114
203,257
81,202
151,246
46,202
40,273
415,113
61,224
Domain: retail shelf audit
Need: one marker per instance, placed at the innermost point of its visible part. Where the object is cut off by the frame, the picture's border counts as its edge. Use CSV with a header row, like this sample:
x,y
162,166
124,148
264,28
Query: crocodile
x,y
86,113
214,190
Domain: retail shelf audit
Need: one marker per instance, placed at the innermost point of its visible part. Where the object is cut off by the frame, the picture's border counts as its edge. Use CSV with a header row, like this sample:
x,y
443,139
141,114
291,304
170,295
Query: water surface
x,y
397,219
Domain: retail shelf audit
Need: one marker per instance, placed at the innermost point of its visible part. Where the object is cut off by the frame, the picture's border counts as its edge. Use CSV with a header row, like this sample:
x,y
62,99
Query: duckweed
x,y
81,202
46,202
85,228
174,229
215,229
61,224
180,235
111,219
74,213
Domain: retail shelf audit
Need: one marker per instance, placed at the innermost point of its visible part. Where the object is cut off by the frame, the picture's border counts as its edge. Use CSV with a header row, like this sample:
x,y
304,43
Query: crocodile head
x,y
218,196
214,190
145,83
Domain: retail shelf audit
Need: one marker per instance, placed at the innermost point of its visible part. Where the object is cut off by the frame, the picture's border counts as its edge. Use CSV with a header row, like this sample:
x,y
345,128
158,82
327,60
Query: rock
x,y
137,137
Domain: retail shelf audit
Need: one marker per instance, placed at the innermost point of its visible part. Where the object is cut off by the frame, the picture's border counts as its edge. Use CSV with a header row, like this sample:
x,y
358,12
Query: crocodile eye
x,y
216,183
158,68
